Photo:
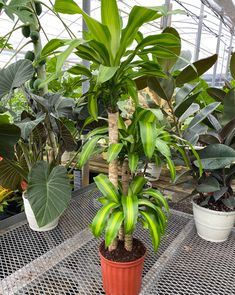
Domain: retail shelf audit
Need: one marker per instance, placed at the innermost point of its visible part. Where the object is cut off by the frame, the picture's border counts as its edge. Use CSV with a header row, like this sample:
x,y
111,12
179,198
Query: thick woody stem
x,y
125,184
113,165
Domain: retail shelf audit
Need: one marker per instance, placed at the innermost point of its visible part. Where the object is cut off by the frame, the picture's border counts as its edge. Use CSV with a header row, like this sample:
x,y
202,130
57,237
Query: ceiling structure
x,y
206,27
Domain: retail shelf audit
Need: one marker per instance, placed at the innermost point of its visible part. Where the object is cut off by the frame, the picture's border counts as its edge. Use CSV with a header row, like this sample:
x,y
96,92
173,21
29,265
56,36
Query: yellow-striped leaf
x,y
111,18
158,196
148,137
137,17
92,106
99,31
133,161
153,227
96,131
137,185
171,167
113,225
106,187
130,209
99,221
163,148
113,151
87,150
105,73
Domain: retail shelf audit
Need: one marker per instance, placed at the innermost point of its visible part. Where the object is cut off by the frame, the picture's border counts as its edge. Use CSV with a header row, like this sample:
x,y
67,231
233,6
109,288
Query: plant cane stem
x,y
113,165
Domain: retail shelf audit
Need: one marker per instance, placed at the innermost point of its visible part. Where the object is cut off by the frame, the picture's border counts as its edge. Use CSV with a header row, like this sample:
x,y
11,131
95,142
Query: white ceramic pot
x,y
154,171
213,226
32,220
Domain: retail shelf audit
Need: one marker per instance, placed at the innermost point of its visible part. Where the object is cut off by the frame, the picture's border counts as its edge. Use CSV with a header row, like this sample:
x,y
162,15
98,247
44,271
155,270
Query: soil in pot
x,y
216,206
121,254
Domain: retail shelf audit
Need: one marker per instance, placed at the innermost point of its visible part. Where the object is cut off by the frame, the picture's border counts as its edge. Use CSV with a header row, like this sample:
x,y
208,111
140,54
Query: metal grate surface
x,y
80,272
22,245
198,267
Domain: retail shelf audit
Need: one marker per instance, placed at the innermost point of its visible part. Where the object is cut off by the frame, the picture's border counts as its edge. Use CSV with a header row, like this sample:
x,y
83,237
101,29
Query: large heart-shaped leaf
x,y
48,192
216,156
27,126
15,76
210,184
9,135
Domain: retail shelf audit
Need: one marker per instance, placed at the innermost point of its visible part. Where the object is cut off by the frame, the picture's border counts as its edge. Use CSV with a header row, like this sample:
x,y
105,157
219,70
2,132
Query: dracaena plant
x,y
107,47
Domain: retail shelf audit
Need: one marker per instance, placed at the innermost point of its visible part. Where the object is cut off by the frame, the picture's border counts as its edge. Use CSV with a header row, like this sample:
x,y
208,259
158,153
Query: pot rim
x,y
123,264
210,210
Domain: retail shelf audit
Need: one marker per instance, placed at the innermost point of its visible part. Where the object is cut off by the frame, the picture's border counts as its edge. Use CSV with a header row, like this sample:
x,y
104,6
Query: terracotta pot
x,y
122,278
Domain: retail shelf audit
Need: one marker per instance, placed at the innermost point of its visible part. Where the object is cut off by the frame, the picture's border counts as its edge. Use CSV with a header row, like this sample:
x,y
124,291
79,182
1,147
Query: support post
x,y
86,6
229,54
199,33
166,19
217,52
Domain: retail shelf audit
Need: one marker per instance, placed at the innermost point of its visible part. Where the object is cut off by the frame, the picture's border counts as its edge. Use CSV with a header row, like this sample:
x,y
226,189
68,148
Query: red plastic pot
x,y
122,278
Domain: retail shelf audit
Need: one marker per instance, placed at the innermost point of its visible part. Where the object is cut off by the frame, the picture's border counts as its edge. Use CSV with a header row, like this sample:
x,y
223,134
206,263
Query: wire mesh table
x,y
65,260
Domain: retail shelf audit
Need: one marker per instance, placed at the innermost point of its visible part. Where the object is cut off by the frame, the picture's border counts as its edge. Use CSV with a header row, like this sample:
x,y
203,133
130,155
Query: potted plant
x,y
107,48
44,132
212,132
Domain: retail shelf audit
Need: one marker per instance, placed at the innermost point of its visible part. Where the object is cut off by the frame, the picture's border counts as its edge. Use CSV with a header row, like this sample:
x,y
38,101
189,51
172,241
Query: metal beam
x,y
217,52
229,55
199,33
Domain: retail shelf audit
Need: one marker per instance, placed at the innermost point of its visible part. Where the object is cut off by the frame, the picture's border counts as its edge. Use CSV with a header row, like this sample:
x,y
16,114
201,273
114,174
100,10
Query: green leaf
x,y
99,221
110,18
153,226
194,107
113,225
107,188
133,159
61,58
218,194
216,156
80,70
137,184
11,174
88,150
48,192
197,157
158,196
93,106
216,93
203,114
9,135
209,185
52,45
171,167
163,148
113,151
15,75
163,87
183,106
27,126
105,73
96,131
130,209
229,105
232,65
148,137
137,17
199,67
99,31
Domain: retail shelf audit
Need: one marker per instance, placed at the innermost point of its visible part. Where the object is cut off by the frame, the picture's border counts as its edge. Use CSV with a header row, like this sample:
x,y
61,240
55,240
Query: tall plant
x,y
107,48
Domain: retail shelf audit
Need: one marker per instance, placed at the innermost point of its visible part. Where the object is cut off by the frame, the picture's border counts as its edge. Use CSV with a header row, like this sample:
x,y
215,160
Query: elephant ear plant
x,y
24,150
44,133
